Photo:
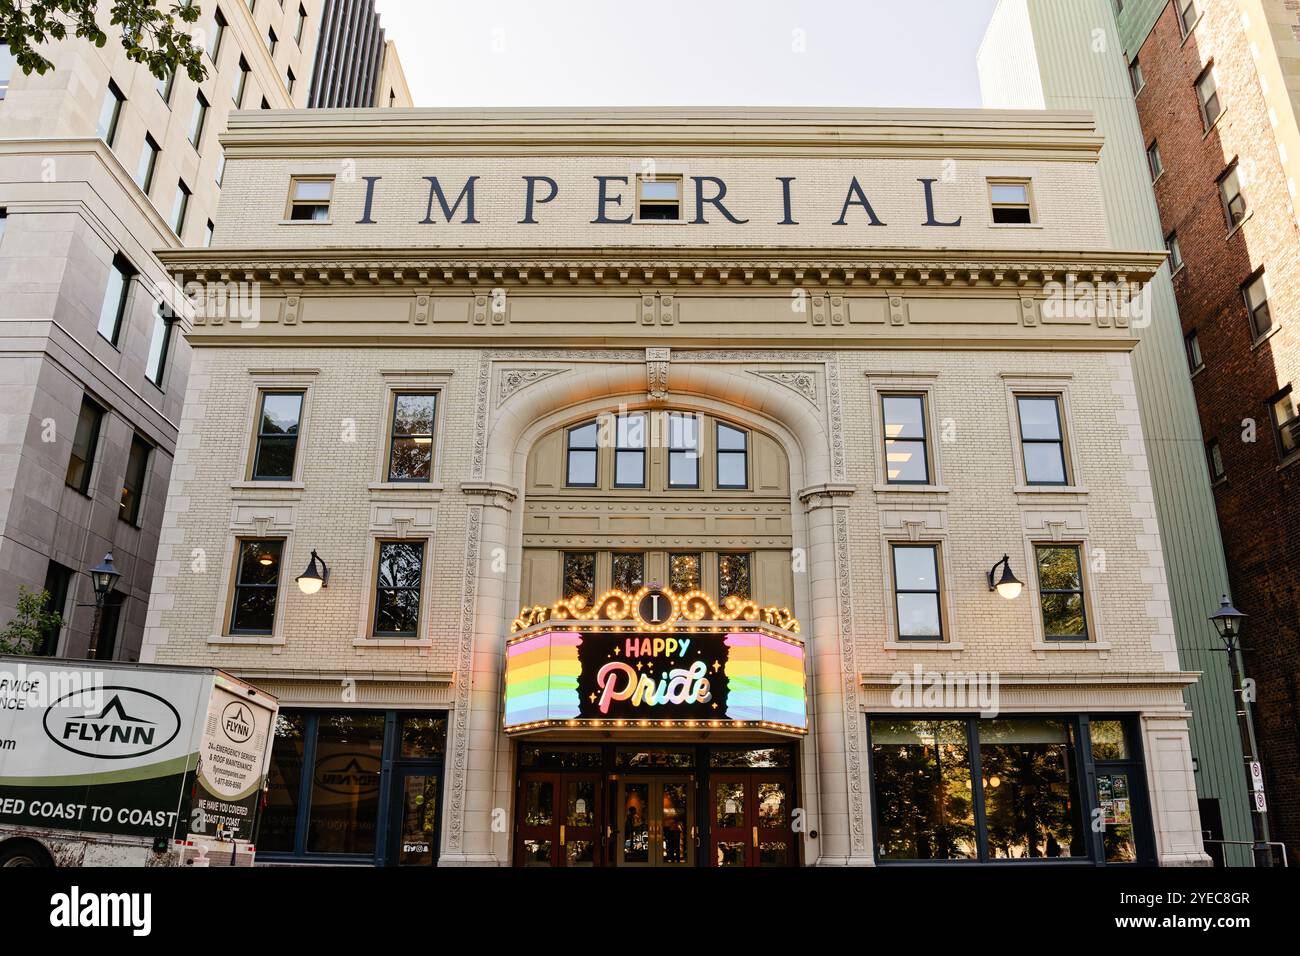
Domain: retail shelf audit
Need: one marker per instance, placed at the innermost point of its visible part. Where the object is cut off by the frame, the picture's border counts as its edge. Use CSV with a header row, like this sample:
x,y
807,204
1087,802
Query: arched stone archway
x,y
518,405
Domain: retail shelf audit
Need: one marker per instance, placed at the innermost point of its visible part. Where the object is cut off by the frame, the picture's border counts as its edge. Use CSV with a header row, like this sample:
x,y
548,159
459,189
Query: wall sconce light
x,y
314,578
1008,585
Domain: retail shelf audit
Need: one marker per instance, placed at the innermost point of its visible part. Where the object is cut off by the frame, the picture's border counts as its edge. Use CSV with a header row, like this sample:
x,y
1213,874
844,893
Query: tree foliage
x,y
32,620
153,35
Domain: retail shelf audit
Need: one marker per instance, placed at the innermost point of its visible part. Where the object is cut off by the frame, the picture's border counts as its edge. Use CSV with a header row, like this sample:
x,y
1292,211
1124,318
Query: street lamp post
x,y
1229,623
103,576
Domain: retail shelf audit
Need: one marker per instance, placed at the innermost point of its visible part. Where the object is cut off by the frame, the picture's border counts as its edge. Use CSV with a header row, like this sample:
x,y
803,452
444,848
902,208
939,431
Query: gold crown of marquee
x,y
686,608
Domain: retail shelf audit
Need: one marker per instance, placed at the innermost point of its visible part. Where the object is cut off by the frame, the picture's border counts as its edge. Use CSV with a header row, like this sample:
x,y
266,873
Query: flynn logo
x,y
237,722
76,909
132,723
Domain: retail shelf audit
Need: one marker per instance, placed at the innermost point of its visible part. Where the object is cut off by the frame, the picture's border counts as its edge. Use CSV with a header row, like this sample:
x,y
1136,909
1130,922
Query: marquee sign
x,y
655,659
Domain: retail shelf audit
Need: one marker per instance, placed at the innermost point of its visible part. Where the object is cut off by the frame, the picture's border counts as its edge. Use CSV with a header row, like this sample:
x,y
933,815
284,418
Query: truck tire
x,y
24,853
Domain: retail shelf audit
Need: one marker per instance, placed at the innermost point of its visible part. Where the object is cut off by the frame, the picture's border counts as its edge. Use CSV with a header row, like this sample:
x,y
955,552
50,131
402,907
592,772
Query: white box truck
x,y
108,764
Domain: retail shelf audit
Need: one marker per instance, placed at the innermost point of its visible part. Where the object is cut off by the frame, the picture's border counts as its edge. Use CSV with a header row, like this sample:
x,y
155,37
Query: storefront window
x,y
771,757
424,736
1031,790
655,758
924,806
1108,740
284,777
345,784
549,758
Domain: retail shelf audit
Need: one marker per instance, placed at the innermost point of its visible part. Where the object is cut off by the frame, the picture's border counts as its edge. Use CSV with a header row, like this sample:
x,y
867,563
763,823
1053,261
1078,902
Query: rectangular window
x,y
1135,76
1060,589
734,576
925,807
628,572
112,311
1234,202
1256,294
629,451
1207,92
220,175
198,120
257,585
732,455
137,470
1175,252
397,588
410,455
916,592
1154,163
58,584
1187,15
580,468
241,83
1286,420
278,827
148,163
1214,458
110,112
84,443
906,453
1031,764
180,206
289,79
346,783
1042,440
580,575
271,40
159,345
1010,202
8,63
277,436
218,33
683,451
684,572
309,199
166,85
302,23
207,234
1193,346
659,198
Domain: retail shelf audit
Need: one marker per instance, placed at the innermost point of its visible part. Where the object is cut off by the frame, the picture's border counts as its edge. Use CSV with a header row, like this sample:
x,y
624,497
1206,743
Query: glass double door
x,y
560,819
749,819
656,821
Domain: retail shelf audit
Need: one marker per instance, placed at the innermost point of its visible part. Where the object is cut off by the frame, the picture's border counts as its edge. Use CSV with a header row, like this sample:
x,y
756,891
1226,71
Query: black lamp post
x,y
1229,622
103,576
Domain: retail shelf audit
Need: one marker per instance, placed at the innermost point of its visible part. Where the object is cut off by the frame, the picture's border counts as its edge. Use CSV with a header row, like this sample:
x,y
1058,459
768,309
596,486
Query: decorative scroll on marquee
x,y
683,610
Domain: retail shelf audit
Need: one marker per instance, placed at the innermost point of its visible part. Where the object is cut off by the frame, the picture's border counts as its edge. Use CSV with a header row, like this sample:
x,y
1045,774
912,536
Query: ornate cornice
x,y
359,269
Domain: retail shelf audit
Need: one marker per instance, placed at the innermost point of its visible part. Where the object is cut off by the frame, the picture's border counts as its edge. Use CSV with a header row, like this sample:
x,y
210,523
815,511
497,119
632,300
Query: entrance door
x,y
559,819
415,809
749,821
655,818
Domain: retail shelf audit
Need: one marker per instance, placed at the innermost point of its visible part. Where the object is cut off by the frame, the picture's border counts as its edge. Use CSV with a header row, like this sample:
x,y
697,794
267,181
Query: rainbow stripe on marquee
x,y
765,680
542,678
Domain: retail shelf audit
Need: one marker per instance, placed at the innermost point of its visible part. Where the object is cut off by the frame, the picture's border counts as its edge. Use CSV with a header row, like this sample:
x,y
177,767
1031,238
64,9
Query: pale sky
x,y
689,52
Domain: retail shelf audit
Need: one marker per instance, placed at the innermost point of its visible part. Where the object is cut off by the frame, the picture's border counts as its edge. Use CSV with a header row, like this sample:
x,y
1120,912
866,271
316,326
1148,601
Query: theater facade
x,y
679,488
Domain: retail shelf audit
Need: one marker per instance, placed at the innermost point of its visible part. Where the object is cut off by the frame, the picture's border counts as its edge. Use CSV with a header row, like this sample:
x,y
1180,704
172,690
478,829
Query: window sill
x,y
268,486
1265,337
1198,370
306,222
1051,489
1159,177
1237,228
1289,460
250,640
1042,648
893,647
1187,35
1179,270
394,642
405,486
1015,225
887,488
1213,126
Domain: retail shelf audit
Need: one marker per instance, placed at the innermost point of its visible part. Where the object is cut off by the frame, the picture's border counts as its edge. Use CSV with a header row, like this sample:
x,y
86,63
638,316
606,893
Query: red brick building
x,y
1211,81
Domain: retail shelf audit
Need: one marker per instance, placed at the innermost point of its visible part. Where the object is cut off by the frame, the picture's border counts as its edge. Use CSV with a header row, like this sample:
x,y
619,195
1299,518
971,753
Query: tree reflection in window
x,y
1031,792
683,573
580,576
397,601
628,572
411,450
733,576
924,805
1060,582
